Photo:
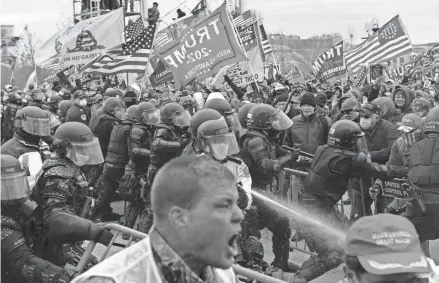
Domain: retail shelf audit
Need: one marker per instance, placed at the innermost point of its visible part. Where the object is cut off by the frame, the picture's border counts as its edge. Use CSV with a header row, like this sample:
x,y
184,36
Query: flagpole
x,y
235,31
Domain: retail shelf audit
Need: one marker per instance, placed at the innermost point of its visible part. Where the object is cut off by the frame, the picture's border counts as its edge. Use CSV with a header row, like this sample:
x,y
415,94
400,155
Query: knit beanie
x,y
321,99
308,98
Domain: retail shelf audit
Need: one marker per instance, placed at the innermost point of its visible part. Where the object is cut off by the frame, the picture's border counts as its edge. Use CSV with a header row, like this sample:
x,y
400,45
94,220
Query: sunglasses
x,y
365,116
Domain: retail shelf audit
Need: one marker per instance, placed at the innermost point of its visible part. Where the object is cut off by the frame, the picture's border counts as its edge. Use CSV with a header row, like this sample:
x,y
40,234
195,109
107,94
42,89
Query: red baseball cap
x,y
386,244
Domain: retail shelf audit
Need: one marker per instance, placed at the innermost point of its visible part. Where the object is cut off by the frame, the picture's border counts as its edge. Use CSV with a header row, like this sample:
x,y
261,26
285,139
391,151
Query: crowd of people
x,y
191,165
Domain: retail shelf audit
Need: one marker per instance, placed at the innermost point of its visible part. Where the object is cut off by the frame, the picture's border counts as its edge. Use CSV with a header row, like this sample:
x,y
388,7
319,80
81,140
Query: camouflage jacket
x,y
150,260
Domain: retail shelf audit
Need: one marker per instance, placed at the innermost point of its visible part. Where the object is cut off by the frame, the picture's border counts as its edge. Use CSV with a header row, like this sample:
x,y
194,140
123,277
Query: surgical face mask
x,y
365,123
83,102
307,110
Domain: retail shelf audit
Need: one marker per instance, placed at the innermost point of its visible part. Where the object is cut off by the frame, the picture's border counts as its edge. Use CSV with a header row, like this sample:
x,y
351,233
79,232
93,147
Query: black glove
x,y
99,234
243,198
127,184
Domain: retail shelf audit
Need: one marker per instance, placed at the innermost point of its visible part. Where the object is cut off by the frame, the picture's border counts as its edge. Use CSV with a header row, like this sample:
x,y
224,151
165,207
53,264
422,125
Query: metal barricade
x,y
292,197
134,234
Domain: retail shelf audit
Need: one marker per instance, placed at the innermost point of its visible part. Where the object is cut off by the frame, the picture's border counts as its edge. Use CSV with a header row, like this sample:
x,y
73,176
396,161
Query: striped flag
x,y
134,29
130,57
266,46
244,19
358,83
162,39
390,41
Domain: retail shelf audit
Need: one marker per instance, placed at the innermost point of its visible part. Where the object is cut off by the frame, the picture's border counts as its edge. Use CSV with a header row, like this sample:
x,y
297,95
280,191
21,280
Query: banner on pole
x,y
248,37
162,73
203,50
330,63
241,73
276,70
89,38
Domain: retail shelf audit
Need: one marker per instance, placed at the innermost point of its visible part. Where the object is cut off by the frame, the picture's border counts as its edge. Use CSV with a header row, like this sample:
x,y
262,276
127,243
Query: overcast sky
x,y
299,17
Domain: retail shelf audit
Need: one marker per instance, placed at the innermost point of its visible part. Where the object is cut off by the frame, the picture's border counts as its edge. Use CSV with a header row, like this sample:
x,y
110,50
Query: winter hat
x,y
321,99
308,98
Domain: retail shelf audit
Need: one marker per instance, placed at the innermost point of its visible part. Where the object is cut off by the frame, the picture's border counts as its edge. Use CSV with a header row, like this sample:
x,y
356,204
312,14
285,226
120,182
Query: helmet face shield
x,y
181,119
54,121
14,184
86,153
36,126
220,146
232,121
280,121
151,117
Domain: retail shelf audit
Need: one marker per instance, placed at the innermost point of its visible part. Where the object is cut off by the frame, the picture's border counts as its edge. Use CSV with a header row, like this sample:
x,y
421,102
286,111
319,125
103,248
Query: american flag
x,y
376,72
162,38
134,29
434,52
390,41
266,46
244,19
360,78
129,57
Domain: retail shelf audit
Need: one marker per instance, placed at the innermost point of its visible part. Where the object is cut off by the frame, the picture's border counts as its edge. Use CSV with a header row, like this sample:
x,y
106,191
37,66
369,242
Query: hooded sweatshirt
x,y
406,108
387,109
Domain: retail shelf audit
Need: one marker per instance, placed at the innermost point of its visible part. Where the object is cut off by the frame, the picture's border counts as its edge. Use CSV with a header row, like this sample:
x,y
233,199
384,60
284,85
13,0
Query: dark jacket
x,y
307,133
380,140
406,108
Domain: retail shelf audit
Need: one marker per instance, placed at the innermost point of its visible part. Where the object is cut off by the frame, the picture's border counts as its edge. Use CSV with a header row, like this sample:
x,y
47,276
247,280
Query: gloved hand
x,y
127,183
363,159
374,190
184,142
294,155
243,198
51,274
98,233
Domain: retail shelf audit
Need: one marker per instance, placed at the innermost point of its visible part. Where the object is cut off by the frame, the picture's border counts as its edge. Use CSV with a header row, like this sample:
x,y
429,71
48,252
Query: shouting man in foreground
x,y
193,238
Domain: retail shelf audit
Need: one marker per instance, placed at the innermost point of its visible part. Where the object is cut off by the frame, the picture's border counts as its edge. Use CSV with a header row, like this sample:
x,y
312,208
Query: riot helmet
x,y
53,102
174,113
37,96
115,107
147,114
223,107
217,139
243,112
14,183
431,124
33,120
65,94
110,92
79,143
266,117
64,107
202,116
131,113
347,134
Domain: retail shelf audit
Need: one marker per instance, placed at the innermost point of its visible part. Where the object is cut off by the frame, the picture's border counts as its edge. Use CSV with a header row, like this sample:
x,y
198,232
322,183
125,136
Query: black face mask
x,y
274,135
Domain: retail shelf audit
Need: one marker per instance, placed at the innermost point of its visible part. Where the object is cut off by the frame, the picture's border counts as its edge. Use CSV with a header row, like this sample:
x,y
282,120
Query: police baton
x,y
303,153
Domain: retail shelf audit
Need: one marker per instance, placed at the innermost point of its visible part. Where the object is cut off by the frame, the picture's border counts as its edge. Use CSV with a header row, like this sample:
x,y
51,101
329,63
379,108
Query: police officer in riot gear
x,y
140,138
265,158
19,264
37,98
169,137
194,147
423,175
242,117
8,116
115,161
62,192
32,124
334,164
227,111
219,142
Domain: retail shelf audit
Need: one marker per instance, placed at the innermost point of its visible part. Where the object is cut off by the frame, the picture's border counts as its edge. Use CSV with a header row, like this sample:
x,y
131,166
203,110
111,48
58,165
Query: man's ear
x,y
178,217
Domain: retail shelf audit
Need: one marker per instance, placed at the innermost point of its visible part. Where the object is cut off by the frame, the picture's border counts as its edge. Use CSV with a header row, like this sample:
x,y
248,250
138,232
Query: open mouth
x,y
233,245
